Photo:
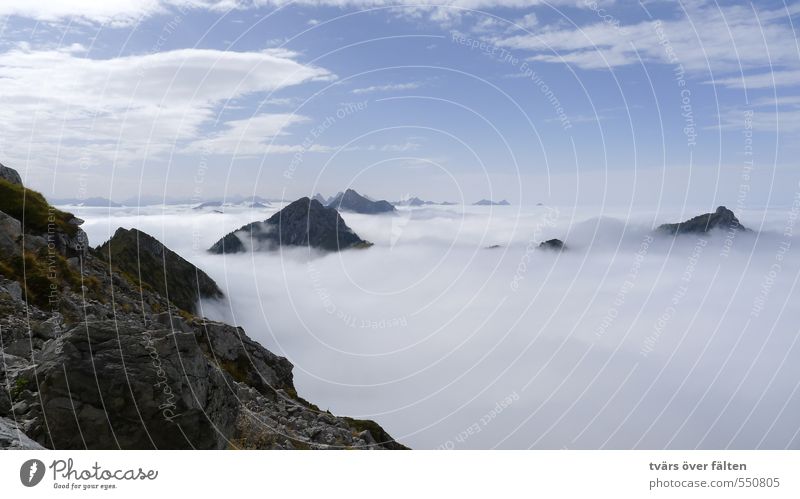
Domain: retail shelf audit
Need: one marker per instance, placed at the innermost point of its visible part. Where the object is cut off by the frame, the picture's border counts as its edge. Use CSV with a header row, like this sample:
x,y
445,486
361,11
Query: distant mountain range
x,y
95,202
350,200
415,201
487,202
219,205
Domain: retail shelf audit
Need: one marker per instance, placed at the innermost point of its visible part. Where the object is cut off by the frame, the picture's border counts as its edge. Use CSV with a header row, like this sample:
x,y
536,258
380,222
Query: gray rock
x,y
10,234
12,437
10,175
722,218
48,329
14,290
552,244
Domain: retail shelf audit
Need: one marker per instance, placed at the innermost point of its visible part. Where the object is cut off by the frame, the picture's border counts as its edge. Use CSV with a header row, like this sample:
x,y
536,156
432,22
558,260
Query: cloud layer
x,y
72,109
627,340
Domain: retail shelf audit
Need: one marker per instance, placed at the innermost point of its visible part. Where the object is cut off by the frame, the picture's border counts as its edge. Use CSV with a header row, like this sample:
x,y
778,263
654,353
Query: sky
x,y
563,102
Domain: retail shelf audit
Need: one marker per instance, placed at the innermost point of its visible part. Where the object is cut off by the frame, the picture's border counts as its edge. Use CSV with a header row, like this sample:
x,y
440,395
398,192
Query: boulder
x,y
10,235
10,175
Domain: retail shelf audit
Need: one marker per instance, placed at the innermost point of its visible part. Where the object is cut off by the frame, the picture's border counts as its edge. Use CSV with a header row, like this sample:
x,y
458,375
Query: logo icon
x,y
31,472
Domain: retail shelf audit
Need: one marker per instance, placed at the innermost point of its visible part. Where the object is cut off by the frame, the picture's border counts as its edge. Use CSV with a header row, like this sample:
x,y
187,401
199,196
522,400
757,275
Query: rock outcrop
x,y
350,200
722,218
12,437
304,222
41,223
151,263
552,244
10,175
94,358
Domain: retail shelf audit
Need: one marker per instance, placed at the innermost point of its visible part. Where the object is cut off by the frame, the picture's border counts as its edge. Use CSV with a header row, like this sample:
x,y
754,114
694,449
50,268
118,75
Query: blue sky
x,y
557,102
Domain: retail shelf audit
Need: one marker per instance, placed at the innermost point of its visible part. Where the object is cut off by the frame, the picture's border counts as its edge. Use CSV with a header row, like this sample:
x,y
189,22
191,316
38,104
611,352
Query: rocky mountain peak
x,y
722,218
145,258
350,200
305,222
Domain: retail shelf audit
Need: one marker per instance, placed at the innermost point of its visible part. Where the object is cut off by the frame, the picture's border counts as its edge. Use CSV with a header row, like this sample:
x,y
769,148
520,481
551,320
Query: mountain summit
x,y
304,222
722,218
144,257
350,200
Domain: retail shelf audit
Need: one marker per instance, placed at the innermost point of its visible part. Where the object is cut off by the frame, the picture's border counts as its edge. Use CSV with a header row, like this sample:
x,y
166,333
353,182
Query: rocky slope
x,y
152,264
94,358
722,218
350,200
304,222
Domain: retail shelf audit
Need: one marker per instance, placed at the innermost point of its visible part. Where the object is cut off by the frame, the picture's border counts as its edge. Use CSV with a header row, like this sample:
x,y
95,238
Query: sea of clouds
x,y
628,339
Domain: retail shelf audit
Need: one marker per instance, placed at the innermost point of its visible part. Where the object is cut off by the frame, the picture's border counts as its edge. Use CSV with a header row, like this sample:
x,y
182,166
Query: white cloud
x,y
58,106
528,21
722,39
119,12
609,343
126,12
762,80
395,87
247,137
